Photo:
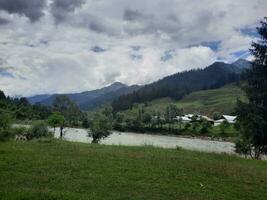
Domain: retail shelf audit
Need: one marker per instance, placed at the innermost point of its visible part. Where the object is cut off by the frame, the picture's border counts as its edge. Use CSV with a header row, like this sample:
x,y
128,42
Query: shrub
x,y
38,130
216,115
5,134
20,132
5,127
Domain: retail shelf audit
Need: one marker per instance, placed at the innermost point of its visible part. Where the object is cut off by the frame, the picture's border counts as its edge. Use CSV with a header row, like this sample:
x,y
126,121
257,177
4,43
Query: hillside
x,y
203,102
64,170
178,85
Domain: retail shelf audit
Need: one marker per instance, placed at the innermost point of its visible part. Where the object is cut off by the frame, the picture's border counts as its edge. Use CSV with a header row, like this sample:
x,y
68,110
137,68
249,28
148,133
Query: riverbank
x,y
54,169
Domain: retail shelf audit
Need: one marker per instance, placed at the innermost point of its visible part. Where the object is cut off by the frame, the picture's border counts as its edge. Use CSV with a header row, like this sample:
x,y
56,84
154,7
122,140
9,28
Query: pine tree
x,y
252,116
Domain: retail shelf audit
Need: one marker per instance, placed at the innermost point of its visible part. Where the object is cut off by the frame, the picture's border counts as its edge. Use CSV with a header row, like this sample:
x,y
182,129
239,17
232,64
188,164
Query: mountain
x,y
176,86
109,96
89,99
242,64
38,98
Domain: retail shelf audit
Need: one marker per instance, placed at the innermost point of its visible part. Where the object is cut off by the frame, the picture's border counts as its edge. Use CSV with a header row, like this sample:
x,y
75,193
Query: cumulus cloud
x,y
78,45
61,8
32,9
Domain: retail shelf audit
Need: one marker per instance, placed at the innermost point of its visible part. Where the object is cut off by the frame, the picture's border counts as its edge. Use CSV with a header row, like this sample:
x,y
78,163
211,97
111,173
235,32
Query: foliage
x,y
216,115
20,108
56,119
252,116
223,127
5,127
38,130
100,126
243,146
204,126
68,108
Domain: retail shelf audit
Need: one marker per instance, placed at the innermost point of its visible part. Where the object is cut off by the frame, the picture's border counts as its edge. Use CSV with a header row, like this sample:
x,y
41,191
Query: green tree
x,y
100,127
252,116
56,119
216,115
68,108
223,127
5,126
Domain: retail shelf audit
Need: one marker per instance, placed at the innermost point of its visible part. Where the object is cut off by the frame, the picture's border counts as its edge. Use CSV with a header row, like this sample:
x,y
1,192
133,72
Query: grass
x,y
64,170
203,102
208,101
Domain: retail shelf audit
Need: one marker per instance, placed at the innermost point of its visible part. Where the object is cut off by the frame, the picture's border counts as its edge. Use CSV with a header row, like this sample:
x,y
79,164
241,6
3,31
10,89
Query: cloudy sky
x,y
58,46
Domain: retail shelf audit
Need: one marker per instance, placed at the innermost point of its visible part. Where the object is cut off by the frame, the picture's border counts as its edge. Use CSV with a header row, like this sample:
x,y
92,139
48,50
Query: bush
x,y
20,132
5,134
5,127
243,146
38,130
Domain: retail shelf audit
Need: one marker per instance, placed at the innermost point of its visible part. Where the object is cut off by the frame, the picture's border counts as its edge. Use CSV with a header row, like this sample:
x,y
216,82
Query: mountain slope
x,y
178,85
202,102
108,97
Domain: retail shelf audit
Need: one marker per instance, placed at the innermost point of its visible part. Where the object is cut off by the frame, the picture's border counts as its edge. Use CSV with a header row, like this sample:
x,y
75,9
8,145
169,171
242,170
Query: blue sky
x,y
58,46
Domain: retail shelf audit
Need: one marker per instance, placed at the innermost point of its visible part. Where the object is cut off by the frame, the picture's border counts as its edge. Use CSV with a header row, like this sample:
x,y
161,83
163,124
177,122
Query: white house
x,y
230,119
183,119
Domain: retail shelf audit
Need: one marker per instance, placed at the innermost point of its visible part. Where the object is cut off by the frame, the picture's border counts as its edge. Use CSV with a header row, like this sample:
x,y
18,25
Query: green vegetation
x,y
101,125
252,116
56,119
65,170
5,126
205,102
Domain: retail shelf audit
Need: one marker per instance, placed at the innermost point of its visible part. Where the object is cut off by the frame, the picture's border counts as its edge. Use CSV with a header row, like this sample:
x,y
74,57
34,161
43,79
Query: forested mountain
x,y
177,85
89,99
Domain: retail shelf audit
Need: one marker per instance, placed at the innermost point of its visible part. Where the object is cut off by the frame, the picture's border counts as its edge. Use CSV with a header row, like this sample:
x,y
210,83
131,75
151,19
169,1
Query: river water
x,y
133,139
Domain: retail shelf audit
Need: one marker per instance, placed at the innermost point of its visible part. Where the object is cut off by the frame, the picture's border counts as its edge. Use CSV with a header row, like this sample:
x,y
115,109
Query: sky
x,y
66,46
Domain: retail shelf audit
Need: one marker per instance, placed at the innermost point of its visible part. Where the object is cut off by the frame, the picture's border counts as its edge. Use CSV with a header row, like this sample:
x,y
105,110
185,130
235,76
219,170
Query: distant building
x,y
207,118
228,118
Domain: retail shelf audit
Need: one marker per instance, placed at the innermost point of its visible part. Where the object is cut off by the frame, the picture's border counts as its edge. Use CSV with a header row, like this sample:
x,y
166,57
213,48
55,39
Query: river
x,y
133,139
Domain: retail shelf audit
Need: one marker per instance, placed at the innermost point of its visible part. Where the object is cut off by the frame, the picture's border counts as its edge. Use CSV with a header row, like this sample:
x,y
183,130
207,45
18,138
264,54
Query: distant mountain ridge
x,y
175,86
178,85
89,99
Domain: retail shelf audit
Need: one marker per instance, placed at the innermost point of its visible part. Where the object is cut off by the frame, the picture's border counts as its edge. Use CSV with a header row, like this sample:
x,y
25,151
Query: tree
x,y
216,115
223,127
5,126
56,119
252,116
68,108
100,127
2,95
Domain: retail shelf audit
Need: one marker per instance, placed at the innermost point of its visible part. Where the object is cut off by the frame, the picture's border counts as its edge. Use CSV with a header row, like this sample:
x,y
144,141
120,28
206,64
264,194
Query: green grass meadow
x,y
54,169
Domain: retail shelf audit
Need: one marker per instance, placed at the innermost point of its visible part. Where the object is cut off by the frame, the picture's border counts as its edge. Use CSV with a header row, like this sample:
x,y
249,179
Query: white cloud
x,y
49,56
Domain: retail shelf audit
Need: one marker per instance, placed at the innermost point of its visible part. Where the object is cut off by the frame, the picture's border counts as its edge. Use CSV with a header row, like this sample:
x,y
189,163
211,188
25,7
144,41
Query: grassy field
x,y
202,102
64,170
208,101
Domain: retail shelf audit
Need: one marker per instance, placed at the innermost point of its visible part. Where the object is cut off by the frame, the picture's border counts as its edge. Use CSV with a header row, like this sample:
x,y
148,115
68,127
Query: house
x,y
228,118
207,118
184,118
